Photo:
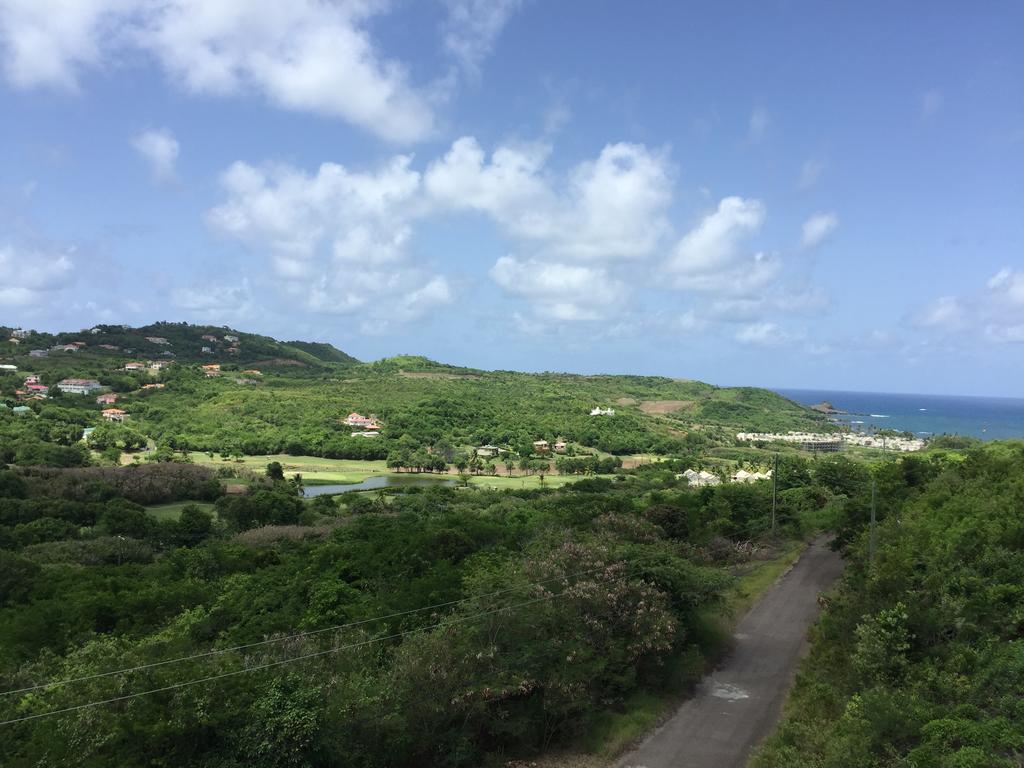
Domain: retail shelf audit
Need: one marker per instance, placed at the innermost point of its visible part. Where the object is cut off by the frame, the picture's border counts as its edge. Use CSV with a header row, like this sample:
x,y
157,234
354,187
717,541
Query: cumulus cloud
x,y
337,239
303,55
560,291
160,149
472,28
763,334
996,312
710,258
612,207
33,275
46,42
945,313
817,228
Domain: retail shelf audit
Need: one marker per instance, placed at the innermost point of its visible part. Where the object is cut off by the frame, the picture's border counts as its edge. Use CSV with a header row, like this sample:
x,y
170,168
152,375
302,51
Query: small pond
x,y
377,481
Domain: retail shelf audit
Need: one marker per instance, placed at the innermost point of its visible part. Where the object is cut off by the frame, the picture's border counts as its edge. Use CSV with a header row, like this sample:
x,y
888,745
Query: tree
x,y
275,471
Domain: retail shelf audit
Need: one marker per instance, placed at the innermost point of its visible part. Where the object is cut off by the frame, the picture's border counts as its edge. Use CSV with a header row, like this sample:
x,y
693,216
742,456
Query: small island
x,y
826,407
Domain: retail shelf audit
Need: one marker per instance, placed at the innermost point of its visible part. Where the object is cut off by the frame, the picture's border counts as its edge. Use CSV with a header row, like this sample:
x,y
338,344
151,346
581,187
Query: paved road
x,y
737,706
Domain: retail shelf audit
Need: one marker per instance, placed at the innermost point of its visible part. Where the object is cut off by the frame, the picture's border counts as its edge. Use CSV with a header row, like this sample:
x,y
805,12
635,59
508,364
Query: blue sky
x,y
773,193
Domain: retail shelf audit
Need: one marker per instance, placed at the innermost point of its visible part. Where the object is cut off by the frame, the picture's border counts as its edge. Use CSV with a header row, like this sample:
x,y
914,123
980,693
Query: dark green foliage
x,y
919,661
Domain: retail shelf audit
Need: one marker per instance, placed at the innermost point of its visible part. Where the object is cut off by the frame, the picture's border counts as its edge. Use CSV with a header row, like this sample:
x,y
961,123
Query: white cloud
x,y
33,275
473,27
757,127
45,42
995,313
304,55
817,228
945,313
763,334
1008,286
709,258
337,239
931,102
160,149
561,291
609,208
810,172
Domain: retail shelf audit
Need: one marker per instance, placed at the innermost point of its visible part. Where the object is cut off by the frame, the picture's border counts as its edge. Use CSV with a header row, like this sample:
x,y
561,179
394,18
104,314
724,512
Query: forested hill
x,y
293,397
177,341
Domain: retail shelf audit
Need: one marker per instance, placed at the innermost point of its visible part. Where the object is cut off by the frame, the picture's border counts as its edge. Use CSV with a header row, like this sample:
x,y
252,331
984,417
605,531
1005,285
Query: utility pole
x,y
775,482
871,532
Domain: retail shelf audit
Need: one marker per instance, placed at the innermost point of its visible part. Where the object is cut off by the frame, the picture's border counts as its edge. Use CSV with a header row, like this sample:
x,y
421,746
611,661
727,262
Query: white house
x,y
78,386
602,411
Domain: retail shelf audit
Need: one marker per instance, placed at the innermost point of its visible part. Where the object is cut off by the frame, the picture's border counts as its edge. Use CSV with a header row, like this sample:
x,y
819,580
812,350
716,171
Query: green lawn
x,y
172,511
501,482
312,468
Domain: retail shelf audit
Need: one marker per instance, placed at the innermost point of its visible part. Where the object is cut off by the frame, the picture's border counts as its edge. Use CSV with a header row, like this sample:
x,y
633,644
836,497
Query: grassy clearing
x,y
172,511
312,468
501,482
611,733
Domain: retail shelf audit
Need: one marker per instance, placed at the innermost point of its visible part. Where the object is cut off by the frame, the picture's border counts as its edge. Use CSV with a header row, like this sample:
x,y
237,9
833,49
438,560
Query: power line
x,y
279,662
297,635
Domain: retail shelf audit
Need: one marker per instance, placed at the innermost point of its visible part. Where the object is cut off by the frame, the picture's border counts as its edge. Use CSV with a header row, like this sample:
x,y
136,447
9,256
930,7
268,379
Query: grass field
x,y
172,511
315,470
312,468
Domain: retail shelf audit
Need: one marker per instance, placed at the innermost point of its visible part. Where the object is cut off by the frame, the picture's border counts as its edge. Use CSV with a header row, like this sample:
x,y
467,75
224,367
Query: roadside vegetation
x,y
918,659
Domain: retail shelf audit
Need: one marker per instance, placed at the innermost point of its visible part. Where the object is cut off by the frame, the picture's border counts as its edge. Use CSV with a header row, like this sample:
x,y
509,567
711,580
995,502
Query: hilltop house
x,y
78,386
365,434
114,414
19,333
487,451
32,379
38,353
209,337
157,340
8,367
135,366
153,386
541,446
158,365
21,410
64,348
207,350
560,446
37,389
212,369
108,399
602,411
109,347
366,422
230,338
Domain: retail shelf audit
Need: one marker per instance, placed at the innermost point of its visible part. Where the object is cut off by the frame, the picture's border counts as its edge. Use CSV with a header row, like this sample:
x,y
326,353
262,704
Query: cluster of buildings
x,y
367,426
823,443
543,446
697,479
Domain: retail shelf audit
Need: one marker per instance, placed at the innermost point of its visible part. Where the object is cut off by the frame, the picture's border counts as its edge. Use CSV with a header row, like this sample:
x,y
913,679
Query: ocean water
x,y
990,418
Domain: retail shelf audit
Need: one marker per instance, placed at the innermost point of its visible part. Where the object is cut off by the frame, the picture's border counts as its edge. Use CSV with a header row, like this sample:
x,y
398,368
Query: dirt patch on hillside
x,y
625,401
662,407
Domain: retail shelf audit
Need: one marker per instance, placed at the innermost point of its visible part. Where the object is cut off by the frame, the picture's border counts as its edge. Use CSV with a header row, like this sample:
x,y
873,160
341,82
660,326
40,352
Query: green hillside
x,y
301,392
